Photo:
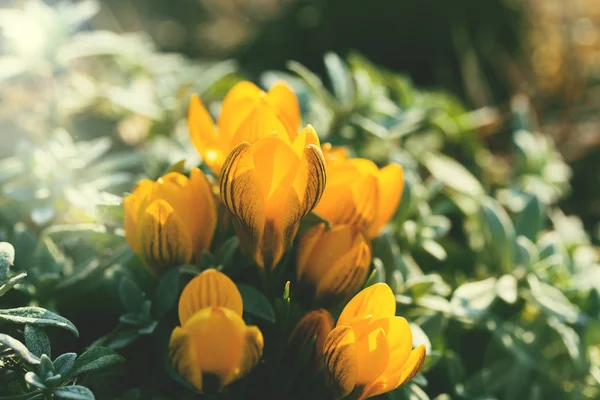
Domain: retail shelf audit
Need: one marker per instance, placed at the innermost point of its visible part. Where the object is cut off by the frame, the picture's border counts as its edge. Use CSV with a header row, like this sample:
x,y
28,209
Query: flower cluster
x,y
270,175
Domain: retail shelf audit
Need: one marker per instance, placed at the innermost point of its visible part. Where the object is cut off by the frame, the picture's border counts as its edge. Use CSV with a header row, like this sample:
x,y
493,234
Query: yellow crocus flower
x,y
370,350
170,221
334,262
358,193
268,186
247,114
213,346
311,330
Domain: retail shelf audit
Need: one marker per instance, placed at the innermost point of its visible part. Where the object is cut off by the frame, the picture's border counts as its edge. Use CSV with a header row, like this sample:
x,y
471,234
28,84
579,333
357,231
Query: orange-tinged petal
x,y
212,343
307,137
305,247
162,238
377,300
413,365
341,361
204,136
242,195
252,349
203,210
182,352
209,288
131,205
347,273
332,153
284,100
391,185
373,354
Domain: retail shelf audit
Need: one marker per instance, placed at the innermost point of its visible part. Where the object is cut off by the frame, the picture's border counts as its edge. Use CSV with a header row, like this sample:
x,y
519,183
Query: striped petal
x,y
341,362
211,288
162,238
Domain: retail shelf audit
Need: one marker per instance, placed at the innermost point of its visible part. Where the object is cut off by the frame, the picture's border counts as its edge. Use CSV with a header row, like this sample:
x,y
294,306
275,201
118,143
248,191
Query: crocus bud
x,y
333,262
268,186
247,114
213,346
309,335
169,222
370,350
358,193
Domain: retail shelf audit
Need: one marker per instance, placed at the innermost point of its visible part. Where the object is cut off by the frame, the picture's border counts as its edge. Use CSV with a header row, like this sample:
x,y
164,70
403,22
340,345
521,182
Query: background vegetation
x,y
492,254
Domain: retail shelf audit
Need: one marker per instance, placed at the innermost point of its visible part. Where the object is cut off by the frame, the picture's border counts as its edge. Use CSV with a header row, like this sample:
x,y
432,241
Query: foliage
x,y
500,285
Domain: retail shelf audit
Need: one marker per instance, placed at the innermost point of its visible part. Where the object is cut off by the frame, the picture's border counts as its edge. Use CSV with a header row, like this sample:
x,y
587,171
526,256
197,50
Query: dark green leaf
x,y
93,359
167,291
36,340
37,316
131,295
227,250
255,303
74,392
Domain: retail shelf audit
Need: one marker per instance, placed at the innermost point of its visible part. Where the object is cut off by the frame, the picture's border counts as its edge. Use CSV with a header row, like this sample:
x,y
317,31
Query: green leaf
x,y
526,253
7,258
11,282
255,303
499,233
313,82
34,380
453,174
506,288
312,219
74,392
19,349
64,363
227,250
36,340
473,299
93,359
529,222
167,291
131,295
553,301
341,80
37,316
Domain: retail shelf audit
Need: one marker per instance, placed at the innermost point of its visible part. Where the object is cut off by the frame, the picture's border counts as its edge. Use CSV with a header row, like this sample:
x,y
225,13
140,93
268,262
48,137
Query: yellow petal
x,y
399,337
412,366
204,136
211,343
242,195
347,272
377,301
332,153
261,121
182,352
306,244
373,354
341,361
203,209
131,205
237,105
209,288
284,100
391,185
252,349
162,238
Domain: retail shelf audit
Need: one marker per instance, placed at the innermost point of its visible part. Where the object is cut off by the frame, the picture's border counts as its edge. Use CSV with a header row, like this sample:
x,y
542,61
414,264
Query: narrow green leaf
x,y
37,316
529,222
255,303
499,233
453,174
131,295
12,281
341,79
167,291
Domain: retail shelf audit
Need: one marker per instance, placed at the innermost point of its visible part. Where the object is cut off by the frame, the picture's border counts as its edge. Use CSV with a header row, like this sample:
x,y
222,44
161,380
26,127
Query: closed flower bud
x,y
213,346
358,193
268,186
333,262
170,221
309,335
370,350
247,114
